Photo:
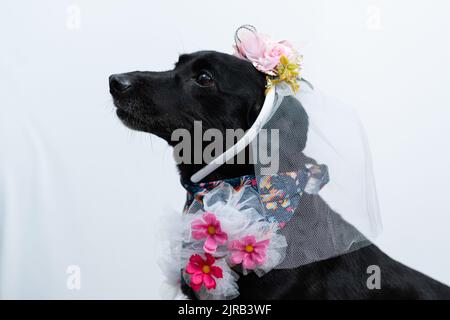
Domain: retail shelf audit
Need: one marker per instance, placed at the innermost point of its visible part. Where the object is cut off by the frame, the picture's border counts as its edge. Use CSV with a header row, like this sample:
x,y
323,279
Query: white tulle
x,y
240,215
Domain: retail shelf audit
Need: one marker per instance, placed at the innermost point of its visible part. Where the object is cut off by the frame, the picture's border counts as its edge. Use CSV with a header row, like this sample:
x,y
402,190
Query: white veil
x,y
332,200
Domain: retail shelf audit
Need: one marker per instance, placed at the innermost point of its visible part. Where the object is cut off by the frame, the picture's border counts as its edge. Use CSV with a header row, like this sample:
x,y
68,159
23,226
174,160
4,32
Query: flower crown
x,y
278,60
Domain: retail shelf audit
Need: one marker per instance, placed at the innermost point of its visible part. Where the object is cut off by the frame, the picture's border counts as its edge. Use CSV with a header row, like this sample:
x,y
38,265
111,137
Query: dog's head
x,y
220,90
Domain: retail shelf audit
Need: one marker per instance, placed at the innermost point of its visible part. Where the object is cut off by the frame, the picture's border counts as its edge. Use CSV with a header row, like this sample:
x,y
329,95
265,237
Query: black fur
x,y
160,102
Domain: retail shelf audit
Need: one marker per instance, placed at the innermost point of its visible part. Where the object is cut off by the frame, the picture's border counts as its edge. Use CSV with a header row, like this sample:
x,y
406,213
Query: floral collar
x,y
231,227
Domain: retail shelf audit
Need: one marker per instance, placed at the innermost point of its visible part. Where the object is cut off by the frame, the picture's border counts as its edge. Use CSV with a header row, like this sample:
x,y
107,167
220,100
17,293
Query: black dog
x,y
225,92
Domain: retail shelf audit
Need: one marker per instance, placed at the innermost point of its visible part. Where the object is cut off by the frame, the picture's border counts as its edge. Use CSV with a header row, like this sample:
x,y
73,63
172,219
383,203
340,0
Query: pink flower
x,y
278,49
252,47
248,252
264,53
289,50
203,272
208,227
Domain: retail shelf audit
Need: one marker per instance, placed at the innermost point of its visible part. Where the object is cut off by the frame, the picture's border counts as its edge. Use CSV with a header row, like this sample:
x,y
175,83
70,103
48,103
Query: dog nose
x,y
119,83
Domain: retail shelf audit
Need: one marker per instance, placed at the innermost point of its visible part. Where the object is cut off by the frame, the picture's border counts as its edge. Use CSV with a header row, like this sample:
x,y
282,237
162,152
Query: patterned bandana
x,y
196,191
280,194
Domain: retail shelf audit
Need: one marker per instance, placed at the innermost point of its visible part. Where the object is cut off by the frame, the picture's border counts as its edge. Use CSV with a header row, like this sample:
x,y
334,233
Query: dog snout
x,y
119,83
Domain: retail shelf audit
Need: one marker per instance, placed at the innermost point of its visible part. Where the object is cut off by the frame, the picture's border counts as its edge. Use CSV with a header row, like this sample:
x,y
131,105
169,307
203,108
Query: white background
x,y
78,188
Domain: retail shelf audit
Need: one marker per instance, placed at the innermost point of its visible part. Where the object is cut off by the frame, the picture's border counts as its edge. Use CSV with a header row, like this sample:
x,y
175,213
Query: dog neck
x,y
226,171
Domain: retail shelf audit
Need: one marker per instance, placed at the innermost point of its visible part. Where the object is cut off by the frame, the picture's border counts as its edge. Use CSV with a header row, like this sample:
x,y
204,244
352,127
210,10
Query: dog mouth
x,y
130,120
135,122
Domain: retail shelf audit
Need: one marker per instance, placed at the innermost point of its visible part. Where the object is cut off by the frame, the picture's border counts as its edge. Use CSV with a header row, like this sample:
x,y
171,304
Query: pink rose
x,y
272,56
282,48
290,51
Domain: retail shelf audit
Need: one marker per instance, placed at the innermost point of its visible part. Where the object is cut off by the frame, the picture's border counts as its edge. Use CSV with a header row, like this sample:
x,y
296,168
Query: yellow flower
x,y
287,71
284,60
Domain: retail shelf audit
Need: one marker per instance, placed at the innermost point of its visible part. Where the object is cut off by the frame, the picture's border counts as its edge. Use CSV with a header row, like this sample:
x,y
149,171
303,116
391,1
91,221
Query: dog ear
x,y
290,119
253,112
293,123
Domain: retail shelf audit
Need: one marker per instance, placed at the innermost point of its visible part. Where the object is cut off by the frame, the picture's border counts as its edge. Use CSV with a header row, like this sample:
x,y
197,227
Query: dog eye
x,y
204,79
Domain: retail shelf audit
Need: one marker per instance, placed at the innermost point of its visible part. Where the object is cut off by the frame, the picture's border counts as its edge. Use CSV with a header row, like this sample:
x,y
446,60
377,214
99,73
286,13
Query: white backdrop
x,y
78,188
